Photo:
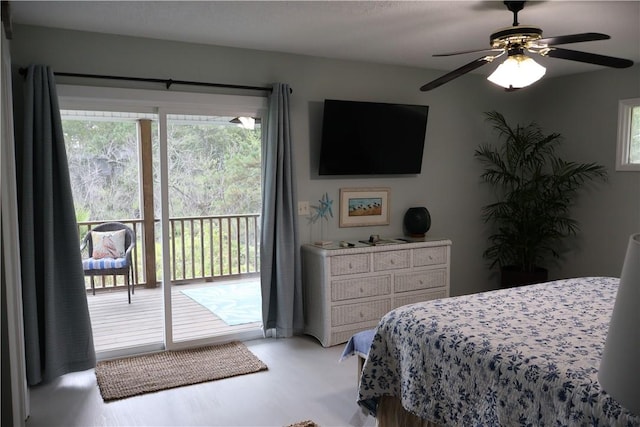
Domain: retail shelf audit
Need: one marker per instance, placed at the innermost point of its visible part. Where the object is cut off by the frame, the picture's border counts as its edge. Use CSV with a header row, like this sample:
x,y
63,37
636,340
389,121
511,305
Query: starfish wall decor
x,y
323,210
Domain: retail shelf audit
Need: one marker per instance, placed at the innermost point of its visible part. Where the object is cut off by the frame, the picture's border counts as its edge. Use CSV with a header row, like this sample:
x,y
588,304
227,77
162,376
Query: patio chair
x,y
110,245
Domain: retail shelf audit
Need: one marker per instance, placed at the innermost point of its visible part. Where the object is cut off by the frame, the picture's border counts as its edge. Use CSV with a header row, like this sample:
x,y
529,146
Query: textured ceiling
x,y
403,33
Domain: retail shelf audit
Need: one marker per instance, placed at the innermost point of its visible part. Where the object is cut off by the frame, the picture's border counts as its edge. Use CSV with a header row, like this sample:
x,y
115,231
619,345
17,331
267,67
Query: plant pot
x,y
512,275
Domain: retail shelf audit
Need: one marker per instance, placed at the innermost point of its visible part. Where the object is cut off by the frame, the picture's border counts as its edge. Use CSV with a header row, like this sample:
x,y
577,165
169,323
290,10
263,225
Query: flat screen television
x,y
372,138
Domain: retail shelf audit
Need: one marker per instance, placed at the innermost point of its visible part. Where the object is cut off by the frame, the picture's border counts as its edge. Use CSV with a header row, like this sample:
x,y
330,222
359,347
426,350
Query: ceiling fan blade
x,y
462,52
589,58
572,38
456,73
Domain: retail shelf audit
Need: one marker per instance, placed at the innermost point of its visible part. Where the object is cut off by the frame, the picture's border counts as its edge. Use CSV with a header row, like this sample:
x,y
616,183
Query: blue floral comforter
x,y
525,356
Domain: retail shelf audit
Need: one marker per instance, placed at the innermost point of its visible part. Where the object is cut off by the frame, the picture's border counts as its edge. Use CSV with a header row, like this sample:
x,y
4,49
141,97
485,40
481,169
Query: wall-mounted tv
x,y
372,138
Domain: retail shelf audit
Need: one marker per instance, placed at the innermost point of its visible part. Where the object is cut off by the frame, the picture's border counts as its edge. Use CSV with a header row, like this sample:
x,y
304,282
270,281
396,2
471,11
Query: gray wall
x,y
6,417
583,107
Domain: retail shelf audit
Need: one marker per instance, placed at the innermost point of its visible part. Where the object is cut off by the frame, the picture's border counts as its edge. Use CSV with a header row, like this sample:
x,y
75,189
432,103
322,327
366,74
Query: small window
x,y
628,155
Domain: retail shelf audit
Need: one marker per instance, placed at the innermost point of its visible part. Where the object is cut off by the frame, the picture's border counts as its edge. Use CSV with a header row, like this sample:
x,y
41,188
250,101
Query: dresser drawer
x,y
418,297
429,256
349,264
361,287
356,313
416,280
391,260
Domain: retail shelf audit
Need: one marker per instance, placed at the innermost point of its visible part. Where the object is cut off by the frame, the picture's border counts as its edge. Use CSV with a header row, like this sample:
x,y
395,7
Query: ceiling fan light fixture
x,y
517,71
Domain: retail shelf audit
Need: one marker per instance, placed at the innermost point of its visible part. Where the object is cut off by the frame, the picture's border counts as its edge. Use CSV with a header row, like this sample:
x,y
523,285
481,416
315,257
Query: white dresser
x,y
348,290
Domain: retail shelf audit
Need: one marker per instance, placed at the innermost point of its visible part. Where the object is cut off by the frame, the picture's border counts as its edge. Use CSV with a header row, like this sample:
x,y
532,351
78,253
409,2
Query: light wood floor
x,y
304,381
117,324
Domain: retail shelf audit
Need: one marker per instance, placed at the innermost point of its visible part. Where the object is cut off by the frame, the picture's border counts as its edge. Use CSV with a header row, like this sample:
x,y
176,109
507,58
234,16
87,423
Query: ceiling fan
x,y
518,39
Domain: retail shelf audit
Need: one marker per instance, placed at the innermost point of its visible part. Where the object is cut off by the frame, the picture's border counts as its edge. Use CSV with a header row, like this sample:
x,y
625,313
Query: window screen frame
x,y
625,111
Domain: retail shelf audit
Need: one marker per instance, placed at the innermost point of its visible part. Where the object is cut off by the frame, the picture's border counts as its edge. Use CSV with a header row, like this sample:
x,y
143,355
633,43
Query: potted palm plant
x,y
535,191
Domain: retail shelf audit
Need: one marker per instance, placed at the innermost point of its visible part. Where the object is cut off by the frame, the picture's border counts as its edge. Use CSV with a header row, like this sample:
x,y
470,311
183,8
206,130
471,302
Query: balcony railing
x,y
202,248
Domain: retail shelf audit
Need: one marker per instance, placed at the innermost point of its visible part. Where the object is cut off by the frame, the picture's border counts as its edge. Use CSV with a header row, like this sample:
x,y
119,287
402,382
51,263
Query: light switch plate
x,y
303,208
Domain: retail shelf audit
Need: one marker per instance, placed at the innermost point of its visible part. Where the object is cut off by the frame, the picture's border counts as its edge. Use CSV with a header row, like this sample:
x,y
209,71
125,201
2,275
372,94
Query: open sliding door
x,y
196,211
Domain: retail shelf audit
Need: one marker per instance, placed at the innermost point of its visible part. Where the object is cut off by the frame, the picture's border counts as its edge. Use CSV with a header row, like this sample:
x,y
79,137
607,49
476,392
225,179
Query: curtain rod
x,y
167,82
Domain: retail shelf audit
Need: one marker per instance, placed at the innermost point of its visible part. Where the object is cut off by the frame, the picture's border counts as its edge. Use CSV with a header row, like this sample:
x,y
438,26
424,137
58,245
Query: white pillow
x,y
108,244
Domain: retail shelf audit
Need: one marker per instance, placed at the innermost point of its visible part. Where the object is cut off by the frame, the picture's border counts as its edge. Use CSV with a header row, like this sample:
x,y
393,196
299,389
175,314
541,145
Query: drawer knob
x,y
350,266
361,290
421,282
361,315
393,262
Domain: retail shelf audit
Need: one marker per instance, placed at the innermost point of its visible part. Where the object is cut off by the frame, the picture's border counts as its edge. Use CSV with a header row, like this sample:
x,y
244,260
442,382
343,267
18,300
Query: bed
x,y
511,357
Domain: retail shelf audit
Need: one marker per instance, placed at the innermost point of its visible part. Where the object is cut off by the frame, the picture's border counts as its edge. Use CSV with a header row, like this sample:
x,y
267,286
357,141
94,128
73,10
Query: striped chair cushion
x,y
103,263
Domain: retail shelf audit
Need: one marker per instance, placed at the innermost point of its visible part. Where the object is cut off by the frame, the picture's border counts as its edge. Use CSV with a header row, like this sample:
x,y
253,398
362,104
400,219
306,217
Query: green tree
x,y
214,169
102,158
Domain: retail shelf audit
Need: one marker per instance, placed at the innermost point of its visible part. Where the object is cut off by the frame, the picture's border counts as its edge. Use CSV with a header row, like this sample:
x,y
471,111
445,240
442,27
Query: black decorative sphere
x,y
417,221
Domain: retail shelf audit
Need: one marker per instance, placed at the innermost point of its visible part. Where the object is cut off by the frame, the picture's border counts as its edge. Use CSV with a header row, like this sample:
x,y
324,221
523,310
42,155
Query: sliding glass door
x,y
183,170
214,173
107,155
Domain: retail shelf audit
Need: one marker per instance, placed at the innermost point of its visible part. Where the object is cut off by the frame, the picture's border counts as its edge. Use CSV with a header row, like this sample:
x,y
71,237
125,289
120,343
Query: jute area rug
x,y
133,376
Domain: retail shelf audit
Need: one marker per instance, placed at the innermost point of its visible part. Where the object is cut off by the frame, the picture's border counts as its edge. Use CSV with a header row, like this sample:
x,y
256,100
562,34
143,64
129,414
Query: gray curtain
x,y
58,337
280,266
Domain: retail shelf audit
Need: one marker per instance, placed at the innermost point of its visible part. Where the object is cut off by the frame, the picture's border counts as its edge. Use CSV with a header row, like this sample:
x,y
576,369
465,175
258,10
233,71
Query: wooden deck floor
x,y
117,324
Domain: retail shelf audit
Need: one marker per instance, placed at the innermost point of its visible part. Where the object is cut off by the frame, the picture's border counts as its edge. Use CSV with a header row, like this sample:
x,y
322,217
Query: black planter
x,y
417,221
512,275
